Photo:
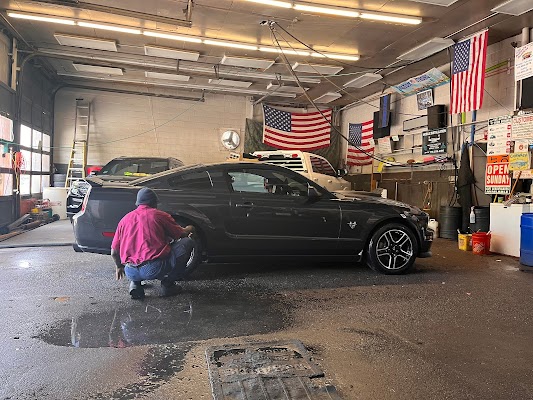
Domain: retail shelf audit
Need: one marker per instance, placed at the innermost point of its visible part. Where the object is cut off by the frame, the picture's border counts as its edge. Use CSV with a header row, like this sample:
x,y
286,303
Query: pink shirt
x,y
144,234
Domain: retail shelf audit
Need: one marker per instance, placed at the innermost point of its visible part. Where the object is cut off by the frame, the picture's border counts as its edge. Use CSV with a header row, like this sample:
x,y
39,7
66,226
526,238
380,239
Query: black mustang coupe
x,y
251,210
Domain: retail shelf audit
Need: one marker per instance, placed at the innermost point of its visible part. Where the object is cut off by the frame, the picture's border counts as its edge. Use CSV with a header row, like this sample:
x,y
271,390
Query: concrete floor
x,y
459,327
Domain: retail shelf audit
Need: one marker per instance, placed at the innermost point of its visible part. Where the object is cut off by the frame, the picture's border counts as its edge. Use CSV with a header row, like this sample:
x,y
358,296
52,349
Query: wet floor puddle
x,y
186,317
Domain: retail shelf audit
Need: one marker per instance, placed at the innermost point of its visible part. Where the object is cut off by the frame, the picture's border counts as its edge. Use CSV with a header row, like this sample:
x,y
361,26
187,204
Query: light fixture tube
x,y
344,57
109,27
392,18
285,51
275,3
172,37
39,18
230,44
327,10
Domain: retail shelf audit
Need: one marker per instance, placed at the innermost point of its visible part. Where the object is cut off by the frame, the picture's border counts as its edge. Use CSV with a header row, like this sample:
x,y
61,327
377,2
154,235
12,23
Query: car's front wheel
x,y
392,249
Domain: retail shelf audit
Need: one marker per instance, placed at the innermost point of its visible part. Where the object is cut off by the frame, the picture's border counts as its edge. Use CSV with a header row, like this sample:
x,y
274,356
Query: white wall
x,y
133,125
498,101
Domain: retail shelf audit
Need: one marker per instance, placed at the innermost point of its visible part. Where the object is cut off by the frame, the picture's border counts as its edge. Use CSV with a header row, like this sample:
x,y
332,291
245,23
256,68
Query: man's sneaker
x,y
169,290
136,290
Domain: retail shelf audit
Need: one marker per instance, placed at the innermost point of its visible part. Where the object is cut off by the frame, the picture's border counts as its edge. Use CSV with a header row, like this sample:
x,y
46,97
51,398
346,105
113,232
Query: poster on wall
x,y
434,142
523,62
429,79
497,180
519,161
6,128
384,145
521,146
499,135
523,127
424,99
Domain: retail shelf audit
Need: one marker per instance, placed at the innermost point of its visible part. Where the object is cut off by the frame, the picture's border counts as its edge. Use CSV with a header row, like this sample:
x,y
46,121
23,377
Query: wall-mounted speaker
x,y
437,117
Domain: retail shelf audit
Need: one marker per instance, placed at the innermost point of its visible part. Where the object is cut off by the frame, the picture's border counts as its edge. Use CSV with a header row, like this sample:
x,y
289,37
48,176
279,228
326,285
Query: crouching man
x,y
142,248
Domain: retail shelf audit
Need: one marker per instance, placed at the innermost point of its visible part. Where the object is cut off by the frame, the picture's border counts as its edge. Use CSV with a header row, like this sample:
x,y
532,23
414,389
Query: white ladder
x,y
77,164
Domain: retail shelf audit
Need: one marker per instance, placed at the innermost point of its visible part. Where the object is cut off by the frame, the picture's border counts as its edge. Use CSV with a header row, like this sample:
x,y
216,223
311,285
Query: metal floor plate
x,y
271,370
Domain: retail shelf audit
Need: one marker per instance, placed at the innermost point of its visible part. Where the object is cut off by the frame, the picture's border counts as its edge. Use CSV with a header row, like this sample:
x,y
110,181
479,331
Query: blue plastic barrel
x,y
526,239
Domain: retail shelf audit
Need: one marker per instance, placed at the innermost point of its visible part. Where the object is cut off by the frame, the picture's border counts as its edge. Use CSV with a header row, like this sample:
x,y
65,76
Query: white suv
x,y
313,166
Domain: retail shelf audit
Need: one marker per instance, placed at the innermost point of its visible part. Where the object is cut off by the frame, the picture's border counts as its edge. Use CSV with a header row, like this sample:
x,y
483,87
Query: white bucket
x,y
433,224
58,200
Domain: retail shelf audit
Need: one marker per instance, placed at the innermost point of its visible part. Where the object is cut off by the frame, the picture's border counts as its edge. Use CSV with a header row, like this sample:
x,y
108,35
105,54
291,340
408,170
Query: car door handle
x,y
247,204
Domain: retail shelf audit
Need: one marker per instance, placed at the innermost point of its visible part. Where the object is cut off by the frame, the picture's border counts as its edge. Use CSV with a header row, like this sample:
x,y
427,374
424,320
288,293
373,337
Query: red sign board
x,y
497,179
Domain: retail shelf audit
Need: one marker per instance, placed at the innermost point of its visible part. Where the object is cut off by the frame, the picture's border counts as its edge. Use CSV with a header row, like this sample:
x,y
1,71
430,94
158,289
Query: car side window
x,y
322,166
198,180
267,182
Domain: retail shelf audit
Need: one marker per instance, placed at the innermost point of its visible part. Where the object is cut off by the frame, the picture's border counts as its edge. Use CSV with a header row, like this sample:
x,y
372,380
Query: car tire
x,y
196,256
392,249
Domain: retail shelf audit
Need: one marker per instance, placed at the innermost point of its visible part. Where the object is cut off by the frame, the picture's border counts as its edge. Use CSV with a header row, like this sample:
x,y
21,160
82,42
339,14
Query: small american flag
x,y
468,73
361,135
291,131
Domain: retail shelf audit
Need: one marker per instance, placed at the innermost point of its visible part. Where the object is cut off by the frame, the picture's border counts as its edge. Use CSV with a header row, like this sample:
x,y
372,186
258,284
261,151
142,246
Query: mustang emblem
x,y
352,225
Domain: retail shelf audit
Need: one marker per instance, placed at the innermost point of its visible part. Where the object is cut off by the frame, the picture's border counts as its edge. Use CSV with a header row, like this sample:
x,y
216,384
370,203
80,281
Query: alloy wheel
x,y
394,249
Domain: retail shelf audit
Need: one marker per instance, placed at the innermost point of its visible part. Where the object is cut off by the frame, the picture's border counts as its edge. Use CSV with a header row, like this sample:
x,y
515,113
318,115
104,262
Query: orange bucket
x,y
481,243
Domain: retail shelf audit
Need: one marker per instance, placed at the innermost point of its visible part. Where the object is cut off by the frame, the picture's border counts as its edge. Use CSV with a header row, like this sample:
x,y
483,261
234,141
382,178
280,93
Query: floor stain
x,y
188,317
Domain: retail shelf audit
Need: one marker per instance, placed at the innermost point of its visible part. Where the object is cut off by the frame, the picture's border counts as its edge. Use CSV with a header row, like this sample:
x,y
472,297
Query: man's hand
x,y
189,231
119,273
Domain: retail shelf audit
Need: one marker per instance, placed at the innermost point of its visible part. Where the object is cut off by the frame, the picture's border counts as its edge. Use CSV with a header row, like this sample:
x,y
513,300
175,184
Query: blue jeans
x,y
167,270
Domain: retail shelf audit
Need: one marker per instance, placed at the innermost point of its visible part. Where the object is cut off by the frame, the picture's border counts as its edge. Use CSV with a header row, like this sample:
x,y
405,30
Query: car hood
x,y
367,197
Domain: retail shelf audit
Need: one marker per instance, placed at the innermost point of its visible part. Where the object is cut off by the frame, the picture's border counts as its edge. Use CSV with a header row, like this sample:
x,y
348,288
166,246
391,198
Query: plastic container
x,y
481,243
433,224
526,239
464,240
58,200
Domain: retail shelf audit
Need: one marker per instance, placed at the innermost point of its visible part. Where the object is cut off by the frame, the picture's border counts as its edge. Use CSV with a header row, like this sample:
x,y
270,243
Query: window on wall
x,y
35,149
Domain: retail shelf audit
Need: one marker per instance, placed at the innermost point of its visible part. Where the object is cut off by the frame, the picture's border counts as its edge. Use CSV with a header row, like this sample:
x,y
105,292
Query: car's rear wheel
x,y
196,255
392,249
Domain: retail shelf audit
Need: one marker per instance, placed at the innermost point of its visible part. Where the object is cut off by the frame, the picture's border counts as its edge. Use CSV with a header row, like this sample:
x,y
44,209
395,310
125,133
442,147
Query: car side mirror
x,y
312,193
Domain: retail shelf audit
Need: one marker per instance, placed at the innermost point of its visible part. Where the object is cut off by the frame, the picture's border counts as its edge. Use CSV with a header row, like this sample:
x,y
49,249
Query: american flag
x,y
291,131
468,73
362,136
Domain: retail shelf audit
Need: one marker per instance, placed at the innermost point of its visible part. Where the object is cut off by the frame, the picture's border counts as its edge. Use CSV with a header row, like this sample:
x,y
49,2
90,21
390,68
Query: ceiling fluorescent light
x,y
514,7
174,54
316,68
172,77
284,88
445,3
363,80
392,18
426,49
41,18
230,44
274,3
97,69
285,51
247,62
228,82
109,27
172,37
327,10
85,42
336,56
328,97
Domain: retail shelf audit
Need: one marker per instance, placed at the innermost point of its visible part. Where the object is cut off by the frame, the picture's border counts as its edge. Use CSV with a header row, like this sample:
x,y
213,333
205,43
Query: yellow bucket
x,y
465,241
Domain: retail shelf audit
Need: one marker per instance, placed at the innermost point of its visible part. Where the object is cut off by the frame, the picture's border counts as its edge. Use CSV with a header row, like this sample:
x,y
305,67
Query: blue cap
x,y
146,196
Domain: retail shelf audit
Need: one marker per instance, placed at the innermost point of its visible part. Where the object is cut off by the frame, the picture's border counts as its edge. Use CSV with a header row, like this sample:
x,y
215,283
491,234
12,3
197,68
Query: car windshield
x,y
134,167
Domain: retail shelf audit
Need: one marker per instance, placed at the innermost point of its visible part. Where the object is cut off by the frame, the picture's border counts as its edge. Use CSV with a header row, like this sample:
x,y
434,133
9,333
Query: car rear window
x,y
134,167
294,163
322,166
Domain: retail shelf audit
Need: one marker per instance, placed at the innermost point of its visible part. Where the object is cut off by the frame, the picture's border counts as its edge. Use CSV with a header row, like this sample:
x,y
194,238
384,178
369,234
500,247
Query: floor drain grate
x,y
272,370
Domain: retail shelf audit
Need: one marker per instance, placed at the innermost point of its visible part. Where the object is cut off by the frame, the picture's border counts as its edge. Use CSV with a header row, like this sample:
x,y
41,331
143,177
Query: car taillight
x,y
108,234
85,200
295,156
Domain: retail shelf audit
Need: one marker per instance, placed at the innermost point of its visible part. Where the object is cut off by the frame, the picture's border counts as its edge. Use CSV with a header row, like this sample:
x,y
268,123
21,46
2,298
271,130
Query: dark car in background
x,y
121,169
251,211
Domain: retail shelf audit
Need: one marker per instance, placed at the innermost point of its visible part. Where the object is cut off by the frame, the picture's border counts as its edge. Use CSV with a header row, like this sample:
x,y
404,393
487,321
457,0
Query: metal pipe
x,y
133,92
115,10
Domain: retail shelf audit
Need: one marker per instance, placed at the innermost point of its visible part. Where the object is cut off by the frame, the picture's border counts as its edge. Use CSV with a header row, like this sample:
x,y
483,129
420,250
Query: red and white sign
x,y
497,179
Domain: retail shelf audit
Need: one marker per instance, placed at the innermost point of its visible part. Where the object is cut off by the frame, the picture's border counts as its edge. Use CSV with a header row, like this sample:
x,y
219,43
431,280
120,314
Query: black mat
x,y
271,370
